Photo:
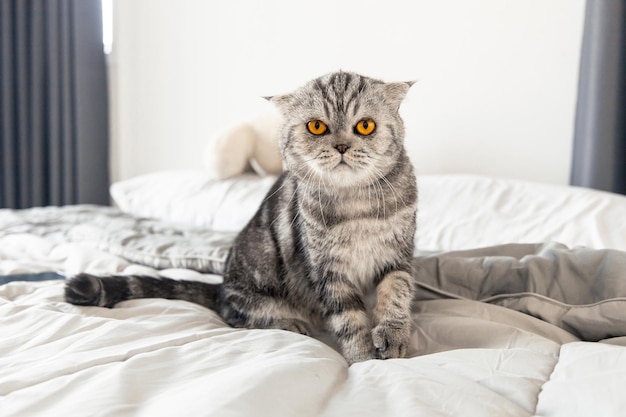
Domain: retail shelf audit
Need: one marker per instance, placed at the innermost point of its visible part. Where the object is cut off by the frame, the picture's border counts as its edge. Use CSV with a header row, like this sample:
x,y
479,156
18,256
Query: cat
x,y
337,224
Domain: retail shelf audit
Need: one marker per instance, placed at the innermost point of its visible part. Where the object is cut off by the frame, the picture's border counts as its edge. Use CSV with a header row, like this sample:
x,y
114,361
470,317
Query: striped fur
x,y
335,226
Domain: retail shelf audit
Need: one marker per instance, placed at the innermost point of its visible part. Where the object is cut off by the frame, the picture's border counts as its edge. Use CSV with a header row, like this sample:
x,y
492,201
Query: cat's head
x,y
342,129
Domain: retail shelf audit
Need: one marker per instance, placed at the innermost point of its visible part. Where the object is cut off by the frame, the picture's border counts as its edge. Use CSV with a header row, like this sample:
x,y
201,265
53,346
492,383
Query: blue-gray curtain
x,y
53,104
599,159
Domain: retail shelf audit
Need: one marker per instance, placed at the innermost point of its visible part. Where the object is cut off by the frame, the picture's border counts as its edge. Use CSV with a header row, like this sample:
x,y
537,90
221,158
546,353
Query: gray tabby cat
x,y
338,223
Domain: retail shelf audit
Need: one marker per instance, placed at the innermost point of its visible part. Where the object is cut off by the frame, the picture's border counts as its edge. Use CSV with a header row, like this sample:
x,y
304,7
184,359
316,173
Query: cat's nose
x,y
341,148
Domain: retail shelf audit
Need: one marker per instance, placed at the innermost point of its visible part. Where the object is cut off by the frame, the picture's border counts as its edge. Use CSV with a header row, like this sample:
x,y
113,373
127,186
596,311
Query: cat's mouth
x,y
343,163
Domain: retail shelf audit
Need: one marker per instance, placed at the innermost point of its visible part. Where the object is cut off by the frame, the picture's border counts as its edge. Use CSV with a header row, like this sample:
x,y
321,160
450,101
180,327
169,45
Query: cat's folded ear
x,y
282,102
396,92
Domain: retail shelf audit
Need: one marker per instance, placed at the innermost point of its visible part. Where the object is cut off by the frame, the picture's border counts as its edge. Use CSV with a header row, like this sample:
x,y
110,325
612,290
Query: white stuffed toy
x,y
249,145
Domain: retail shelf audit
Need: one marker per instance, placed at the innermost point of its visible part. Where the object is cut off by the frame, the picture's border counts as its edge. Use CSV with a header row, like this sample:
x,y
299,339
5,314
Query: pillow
x,y
455,212
193,198
458,212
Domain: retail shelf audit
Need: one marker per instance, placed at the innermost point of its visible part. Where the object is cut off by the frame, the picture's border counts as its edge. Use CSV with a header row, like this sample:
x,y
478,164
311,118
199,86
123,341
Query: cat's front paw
x,y
391,339
360,355
359,349
83,290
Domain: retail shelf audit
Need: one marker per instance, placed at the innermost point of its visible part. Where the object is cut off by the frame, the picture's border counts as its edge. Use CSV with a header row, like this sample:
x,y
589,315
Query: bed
x,y
520,309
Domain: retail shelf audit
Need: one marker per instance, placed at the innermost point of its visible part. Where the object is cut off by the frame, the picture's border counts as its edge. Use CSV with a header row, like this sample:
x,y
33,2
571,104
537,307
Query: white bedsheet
x,y
161,357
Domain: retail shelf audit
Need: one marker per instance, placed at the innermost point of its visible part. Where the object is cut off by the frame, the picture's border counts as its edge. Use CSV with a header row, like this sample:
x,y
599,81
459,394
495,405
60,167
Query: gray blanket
x,y
581,290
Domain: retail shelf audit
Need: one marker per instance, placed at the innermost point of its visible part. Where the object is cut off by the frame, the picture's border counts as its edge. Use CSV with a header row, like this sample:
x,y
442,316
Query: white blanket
x,y
159,358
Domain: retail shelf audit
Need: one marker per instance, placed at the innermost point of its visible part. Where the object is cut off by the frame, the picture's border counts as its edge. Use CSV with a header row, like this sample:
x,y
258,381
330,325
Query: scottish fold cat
x,y
338,224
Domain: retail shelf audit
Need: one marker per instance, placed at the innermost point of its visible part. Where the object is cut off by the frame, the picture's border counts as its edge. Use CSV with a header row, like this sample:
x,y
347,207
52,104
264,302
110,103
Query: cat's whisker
x,y
378,199
393,190
284,213
382,196
274,193
319,199
293,221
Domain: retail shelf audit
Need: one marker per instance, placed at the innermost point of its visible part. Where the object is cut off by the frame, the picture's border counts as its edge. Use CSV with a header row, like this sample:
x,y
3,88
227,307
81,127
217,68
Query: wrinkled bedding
x,y
509,330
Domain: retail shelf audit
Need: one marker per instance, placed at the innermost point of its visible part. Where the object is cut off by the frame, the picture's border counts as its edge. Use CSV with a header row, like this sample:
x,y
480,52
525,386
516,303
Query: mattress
x,y
519,309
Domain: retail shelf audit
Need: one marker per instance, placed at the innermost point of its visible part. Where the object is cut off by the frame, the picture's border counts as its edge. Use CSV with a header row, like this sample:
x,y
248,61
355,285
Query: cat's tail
x,y
90,290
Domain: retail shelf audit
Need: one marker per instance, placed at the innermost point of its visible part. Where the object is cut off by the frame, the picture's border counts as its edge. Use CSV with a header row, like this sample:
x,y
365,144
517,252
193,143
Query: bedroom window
x,y
107,25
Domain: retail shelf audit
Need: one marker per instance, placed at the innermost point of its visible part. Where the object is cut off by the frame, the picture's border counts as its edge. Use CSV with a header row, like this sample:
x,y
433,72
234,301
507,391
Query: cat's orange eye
x,y
365,127
317,127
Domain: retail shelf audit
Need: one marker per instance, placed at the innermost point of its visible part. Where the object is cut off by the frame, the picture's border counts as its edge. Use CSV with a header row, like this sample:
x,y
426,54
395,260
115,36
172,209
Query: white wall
x,y
496,92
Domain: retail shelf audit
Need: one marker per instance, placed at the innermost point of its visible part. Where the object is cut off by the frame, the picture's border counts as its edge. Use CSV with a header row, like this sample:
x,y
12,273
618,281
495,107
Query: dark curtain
x,y
53,104
599,159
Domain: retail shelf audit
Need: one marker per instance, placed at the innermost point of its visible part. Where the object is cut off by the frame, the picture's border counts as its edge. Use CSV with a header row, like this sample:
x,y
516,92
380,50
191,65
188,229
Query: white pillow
x,y
458,212
455,212
193,197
